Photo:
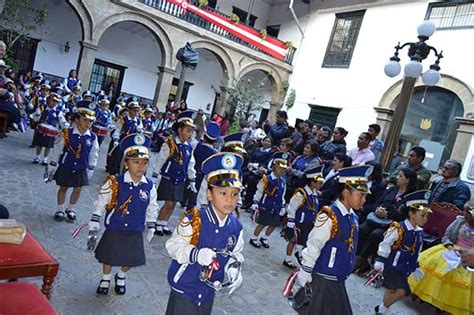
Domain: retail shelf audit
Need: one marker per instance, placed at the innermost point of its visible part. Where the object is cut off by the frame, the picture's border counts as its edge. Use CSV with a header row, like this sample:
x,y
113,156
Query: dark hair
x,y
376,127
342,131
412,179
288,142
367,135
314,146
282,114
405,211
327,129
457,166
208,140
345,159
70,71
377,174
419,151
268,137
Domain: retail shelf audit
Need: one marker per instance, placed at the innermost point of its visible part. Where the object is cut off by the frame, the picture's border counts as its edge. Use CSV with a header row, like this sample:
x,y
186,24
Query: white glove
x,y
150,234
453,260
37,115
291,225
94,226
116,142
52,169
254,207
379,266
235,276
205,256
192,187
90,173
304,277
282,211
418,274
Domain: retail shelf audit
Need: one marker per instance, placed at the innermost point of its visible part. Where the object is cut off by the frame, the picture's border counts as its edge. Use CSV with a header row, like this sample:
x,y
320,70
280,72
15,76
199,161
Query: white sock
x,y
254,238
161,222
121,274
288,258
70,206
61,207
383,309
38,156
105,276
264,237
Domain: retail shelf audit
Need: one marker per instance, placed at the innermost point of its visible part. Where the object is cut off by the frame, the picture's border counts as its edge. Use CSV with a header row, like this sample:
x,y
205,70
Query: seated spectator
x,y
328,193
280,129
379,217
323,135
362,154
376,145
451,188
7,105
256,133
377,186
337,146
302,136
414,160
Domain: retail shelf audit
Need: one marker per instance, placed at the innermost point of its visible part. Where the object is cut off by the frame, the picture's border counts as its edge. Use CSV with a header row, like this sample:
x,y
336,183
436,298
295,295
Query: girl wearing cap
x,y
147,122
129,202
74,165
302,210
71,81
328,259
38,103
104,115
399,250
269,200
174,166
210,238
449,277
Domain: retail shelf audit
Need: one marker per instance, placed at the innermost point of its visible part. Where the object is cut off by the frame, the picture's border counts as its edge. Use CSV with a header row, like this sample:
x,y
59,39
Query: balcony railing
x,y
172,9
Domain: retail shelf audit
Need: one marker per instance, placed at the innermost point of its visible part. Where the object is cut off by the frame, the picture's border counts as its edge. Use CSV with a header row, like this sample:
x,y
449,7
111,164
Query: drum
x,y
48,130
149,134
99,130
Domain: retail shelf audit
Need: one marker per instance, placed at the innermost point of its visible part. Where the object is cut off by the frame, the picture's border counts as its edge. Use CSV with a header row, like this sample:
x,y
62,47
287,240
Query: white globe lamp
x,y
392,68
413,69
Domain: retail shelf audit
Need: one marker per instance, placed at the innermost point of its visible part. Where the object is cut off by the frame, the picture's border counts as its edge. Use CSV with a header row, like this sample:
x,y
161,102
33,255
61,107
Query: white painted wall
x,y
360,88
260,9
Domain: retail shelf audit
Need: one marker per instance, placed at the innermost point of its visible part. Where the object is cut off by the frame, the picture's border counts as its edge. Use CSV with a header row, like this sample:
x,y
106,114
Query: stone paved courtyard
x,y
33,202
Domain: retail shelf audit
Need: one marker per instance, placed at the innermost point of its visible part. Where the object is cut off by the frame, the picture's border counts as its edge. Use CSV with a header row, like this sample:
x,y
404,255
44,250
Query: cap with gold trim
x,y
86,109
356,177
315,173
235,143
223,170
419,200
282,159
135,146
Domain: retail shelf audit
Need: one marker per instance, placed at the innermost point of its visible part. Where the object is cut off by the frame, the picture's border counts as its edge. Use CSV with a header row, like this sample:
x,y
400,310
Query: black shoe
x,y
376,309
166,230
264,242
36,161
289,264
255,243
119,289
70,216
59,216
103,290
159,230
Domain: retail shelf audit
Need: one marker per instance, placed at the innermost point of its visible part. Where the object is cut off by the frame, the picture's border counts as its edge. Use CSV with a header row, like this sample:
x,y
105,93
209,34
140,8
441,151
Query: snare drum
x,y
99,130
149,134
48,130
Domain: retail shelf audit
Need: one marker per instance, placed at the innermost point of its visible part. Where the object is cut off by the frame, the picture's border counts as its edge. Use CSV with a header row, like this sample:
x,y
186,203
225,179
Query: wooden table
x,y
28,259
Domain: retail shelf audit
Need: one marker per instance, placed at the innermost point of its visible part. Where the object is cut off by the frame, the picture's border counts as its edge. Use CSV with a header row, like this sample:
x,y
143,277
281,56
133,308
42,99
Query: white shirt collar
x,y
176,138
343,208
128,179
309,191
273,176
77,132
410,226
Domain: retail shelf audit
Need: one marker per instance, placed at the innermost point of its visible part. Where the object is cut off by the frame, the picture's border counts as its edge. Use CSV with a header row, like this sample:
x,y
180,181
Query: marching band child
x,y
103,116
174,165
269,200
75,165
147,122
399,250
328,258
129,202
53,117
205,239
302,210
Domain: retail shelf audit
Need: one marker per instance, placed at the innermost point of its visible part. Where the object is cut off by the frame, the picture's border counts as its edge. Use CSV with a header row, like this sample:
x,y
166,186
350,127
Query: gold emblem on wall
x,y
425,123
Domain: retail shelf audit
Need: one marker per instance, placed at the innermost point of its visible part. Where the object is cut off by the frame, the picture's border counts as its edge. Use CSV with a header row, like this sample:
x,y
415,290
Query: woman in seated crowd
x,y
379,217
328,193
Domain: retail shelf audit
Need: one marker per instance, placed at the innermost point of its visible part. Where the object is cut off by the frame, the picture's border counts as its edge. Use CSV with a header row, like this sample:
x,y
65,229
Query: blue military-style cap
x,y
55,94
103,99
86,109
213,130
282,159
315,173
135,146
223,169
235,143
87,93
356,177
46,84
186,117
132,102
418,200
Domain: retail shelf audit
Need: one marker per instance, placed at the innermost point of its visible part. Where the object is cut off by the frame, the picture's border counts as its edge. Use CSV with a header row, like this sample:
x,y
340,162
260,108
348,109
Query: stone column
x,y
86,62
163,87
463,139
222,105
384,118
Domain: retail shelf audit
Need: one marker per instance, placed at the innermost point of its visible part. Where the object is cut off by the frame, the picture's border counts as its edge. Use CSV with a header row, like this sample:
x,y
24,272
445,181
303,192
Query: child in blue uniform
x,y
103,115
129,202
53,117
399,250
204,149
208,238
302,210
328,258
147,122
174,166
75,164
269,200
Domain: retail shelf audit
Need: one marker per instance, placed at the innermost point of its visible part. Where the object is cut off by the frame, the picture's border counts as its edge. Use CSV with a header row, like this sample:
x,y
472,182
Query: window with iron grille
x,y
343,39
451,15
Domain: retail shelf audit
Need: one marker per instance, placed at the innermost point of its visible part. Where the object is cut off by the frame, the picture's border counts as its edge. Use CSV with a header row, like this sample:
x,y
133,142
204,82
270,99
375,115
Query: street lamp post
x,y
417,52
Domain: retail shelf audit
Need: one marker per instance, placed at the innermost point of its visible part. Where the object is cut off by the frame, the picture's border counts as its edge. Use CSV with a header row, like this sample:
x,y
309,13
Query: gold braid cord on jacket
x,y
195,223
114,187
67,145
335,227
174,149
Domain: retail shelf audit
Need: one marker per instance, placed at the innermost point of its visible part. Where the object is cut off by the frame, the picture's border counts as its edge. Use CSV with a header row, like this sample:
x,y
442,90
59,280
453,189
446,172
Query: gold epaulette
x,y
398,227
171,144
195,223
114,187
329,215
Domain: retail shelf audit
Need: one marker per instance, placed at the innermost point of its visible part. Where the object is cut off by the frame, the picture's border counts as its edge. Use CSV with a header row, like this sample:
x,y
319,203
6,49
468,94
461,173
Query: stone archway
x,y
84,17
222,56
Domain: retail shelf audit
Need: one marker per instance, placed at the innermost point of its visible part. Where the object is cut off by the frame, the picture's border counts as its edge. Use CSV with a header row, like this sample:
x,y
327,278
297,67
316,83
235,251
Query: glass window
x,y
451,15
343,39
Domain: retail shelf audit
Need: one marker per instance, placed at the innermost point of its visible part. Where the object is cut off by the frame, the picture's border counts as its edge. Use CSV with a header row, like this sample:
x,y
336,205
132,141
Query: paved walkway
x,y
33,202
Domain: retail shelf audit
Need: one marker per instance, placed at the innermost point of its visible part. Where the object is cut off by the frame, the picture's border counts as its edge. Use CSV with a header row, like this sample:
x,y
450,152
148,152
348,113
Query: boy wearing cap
x,y
147,122
207,244
53,116
174,168
269,200
328,258
38,103
129,202
302,210
104,115
75,163
399,250
204,149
